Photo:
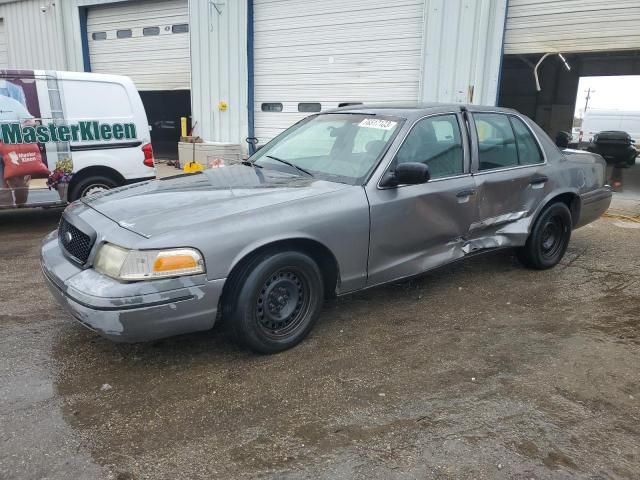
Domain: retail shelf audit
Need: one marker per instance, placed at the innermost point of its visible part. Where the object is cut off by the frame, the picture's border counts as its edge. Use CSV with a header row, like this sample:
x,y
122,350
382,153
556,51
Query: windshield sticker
x,y
377,123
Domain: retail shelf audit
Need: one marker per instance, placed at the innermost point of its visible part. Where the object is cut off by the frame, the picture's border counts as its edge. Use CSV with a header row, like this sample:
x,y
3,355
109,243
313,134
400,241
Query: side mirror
x,y
410,173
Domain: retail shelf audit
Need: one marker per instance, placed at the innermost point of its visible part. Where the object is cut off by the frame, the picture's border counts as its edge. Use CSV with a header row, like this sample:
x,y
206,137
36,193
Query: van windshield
x,y
338,147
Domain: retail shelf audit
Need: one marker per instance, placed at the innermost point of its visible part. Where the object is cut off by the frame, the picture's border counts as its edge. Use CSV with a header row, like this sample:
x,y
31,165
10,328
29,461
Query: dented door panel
x,y
507,201
418,227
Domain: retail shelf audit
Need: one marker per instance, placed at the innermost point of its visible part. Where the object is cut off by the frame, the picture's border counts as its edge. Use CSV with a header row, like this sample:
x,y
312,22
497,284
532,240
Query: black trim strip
x,y
104,146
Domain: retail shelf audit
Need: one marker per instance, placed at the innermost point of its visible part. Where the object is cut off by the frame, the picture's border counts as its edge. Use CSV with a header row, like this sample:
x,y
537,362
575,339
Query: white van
x,y
64,135
596,121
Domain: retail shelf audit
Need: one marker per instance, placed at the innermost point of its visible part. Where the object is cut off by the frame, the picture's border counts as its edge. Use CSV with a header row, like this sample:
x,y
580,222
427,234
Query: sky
x,y
614,93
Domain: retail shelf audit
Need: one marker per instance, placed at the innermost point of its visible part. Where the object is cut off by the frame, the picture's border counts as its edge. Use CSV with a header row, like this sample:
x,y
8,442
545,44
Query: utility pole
x,y
586,100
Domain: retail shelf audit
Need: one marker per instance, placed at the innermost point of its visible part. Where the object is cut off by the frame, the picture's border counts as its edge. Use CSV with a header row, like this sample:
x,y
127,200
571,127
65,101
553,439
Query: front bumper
x,y
129,312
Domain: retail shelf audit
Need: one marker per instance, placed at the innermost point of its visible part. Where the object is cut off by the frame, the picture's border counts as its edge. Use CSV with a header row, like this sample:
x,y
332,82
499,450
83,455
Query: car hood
x,y
183,201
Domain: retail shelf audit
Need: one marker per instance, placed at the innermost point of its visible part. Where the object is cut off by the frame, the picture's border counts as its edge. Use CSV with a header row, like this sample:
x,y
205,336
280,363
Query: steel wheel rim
x,y
282,303
552,237
93,189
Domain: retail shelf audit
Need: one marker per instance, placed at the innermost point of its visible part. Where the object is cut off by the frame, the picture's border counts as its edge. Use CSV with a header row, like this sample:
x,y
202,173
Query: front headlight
x,y
130,265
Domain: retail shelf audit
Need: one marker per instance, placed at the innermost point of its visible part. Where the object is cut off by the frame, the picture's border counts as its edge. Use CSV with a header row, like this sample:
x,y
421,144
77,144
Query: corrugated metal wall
x,y
219,70
34,38
462,50
538,26
4,48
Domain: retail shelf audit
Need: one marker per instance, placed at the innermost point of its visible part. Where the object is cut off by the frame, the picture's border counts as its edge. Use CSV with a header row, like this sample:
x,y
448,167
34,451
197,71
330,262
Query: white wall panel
x,y
154,62
4,47
219,70
35,39
539,26
462,50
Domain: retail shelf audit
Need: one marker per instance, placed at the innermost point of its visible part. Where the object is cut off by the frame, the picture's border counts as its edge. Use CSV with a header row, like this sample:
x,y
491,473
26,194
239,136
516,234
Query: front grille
x,y
74,241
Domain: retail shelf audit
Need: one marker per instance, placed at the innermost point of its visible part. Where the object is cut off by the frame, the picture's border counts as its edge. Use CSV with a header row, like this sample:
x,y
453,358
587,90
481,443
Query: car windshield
x,y
338,147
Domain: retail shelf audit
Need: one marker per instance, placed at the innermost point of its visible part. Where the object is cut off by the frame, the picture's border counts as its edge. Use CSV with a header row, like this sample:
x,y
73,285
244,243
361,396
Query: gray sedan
x,y
340,202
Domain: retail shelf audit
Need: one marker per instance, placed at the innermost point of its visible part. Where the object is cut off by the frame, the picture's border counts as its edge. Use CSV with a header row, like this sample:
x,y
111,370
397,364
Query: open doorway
x,y
559,102
164,109
611,104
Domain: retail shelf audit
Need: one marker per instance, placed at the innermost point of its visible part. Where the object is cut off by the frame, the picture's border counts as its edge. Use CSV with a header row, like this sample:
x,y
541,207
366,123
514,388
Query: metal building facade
x,y
324,53
539,26
445,50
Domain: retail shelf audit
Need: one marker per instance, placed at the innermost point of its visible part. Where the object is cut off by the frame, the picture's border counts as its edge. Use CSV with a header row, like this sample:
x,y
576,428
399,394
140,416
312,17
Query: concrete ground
x,y
481,370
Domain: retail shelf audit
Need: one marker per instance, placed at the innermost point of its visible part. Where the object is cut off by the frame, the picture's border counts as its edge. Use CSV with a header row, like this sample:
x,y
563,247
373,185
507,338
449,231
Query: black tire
x,y
90,185
549,238
276,302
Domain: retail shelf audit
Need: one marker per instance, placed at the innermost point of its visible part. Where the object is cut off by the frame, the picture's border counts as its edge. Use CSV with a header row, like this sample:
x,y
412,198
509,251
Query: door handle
x,y
465,193
539,180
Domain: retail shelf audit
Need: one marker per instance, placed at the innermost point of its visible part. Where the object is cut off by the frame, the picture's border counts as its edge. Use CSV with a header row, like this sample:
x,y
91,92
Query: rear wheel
x,y
549,238
90,186
277,302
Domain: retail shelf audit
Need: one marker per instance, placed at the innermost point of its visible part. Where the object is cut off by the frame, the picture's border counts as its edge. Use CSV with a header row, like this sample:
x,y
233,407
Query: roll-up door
x,y
539,26
147,41
318,54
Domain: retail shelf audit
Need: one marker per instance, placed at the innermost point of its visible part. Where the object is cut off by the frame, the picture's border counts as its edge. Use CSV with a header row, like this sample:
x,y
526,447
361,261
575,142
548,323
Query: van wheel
x,y
90,186
549,238
277,301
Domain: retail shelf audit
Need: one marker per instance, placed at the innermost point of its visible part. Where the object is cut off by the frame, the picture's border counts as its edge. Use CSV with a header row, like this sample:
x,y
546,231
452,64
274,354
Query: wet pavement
x,y
482,370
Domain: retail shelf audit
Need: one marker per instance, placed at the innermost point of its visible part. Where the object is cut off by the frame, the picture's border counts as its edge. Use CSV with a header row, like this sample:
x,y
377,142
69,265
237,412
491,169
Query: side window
x,y
528,149
496,142
436,142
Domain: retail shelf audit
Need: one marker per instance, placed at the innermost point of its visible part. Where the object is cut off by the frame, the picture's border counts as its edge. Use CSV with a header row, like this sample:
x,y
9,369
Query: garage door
x,y
147,41
4,47
538,26
311,55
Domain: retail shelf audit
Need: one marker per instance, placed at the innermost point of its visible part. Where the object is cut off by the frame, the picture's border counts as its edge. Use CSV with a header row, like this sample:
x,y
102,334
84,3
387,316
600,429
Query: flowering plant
x,y
61,174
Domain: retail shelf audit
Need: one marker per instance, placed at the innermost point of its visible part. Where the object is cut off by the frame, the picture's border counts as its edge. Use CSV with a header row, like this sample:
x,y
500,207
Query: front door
x,y
418,227
509,174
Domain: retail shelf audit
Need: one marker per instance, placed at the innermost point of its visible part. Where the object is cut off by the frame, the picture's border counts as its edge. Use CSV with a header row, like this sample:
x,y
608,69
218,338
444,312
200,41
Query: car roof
x,y
412,110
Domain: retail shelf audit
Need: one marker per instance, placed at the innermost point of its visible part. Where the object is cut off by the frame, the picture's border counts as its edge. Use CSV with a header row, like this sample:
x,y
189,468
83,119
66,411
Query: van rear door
x,y
34,170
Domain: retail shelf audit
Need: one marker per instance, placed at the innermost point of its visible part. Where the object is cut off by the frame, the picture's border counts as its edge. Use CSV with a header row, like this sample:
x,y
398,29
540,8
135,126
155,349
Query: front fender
x,y
339,222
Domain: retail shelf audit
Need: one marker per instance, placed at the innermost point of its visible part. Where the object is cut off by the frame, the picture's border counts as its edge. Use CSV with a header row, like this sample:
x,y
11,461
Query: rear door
x,y
34,167
509,171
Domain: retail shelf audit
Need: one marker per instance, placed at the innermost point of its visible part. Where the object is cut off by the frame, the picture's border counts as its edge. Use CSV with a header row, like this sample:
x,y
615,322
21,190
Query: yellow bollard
x,y
183,126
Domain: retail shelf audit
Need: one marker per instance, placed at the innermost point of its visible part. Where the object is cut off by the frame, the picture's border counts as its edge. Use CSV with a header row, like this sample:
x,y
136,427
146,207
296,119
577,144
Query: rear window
x,y
89,100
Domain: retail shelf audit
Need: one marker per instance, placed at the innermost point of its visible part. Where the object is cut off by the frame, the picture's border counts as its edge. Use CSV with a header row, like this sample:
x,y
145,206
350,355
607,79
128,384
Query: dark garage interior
x,y
553,106
164,109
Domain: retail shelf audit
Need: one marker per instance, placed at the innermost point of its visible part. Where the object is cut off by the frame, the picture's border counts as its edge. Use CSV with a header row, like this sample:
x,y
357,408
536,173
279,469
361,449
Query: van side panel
x,y
109,100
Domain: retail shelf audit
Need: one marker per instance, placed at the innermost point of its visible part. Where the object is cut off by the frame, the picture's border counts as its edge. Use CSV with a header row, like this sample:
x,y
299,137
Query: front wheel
x,y
279,299
549,238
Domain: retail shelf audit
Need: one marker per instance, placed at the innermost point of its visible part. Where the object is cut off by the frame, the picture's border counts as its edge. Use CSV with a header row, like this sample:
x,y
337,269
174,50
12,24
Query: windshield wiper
x,y
251,164
300,169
